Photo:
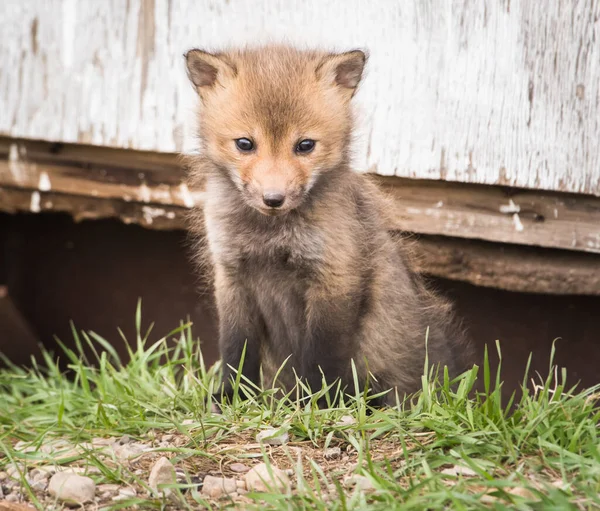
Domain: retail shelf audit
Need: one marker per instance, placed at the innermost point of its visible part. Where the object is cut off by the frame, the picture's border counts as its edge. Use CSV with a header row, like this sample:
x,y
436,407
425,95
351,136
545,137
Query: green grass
x,y
541,453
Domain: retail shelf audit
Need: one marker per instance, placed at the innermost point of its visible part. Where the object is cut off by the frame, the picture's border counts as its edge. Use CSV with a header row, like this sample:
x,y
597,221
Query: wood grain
x,y
502,93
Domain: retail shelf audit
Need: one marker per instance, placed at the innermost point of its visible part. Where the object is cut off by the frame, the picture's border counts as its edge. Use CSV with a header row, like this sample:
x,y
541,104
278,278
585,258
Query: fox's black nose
x,y
273,199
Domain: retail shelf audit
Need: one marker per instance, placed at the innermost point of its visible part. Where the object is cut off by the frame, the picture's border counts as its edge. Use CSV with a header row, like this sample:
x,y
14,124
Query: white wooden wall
x,y
497,92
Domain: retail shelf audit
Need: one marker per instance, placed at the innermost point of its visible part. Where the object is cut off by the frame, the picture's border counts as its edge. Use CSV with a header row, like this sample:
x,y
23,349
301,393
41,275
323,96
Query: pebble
x,y
239,468
359,482
14,471
162,472
129,451
3,476
260,479
270,437
215,487
72,488
457,470
39,485
346,420
41,473
332,453
125,439
125,494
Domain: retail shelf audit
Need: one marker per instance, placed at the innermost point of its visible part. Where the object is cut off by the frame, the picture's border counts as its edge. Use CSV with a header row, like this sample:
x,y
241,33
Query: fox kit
x,y
303,264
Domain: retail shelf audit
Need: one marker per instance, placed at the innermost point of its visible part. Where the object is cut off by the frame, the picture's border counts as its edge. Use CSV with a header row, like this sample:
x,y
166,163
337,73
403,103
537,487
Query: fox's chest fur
x,y
241,239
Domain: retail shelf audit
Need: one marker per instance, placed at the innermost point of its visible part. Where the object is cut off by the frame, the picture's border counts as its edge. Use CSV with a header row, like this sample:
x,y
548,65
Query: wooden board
x,y
503,93
157,181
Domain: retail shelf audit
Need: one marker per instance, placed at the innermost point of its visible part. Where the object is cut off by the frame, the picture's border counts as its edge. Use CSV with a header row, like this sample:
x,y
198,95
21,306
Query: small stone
x,y
129,451
239,468
125,439
72,488
167,438
359,482
457,470
263,478
125,494
3,476
270,437
346,420
12,497
14,471
523,492
241,485
41,473
188,422
162,472
215,487
39,485
332,453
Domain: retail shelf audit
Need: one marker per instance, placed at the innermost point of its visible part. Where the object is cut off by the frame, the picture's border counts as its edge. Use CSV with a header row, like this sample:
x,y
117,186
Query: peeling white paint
x,y
463,91
15,166
511,207
144,193
186,196
517,221
44,184
34,205
151,213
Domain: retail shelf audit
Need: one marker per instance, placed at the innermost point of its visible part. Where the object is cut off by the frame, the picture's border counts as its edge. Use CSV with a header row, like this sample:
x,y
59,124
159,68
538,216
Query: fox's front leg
x,y
331,341
240,324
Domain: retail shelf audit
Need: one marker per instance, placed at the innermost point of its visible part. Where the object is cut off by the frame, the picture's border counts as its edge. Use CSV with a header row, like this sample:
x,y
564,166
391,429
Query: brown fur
x,y
319,279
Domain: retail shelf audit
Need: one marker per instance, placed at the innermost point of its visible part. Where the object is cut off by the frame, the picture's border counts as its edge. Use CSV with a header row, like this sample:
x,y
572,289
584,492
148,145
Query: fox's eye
x,y
244,144
305,146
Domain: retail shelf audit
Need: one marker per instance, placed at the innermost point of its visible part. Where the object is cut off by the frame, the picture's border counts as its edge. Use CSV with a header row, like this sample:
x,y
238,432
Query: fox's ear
x,y
206,69
343,69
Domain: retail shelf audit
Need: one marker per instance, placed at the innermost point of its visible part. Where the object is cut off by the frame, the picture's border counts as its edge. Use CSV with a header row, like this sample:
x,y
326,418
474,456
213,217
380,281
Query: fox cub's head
x,y
275,118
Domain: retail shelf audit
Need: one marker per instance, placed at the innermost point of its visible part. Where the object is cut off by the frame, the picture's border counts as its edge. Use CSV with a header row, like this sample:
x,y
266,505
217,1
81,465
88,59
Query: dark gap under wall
x,y
93,273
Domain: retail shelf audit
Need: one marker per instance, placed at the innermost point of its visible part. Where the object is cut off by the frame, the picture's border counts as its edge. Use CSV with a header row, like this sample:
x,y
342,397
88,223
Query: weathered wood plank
x,y
509,267
525,217
504,92
500,214
85,207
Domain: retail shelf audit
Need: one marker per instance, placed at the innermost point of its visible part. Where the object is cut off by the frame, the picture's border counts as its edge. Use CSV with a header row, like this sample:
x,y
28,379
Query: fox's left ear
x,y
343,70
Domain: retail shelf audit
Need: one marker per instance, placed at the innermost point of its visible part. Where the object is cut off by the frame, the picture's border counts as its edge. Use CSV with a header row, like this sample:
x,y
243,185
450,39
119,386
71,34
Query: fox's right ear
x,y
206,69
